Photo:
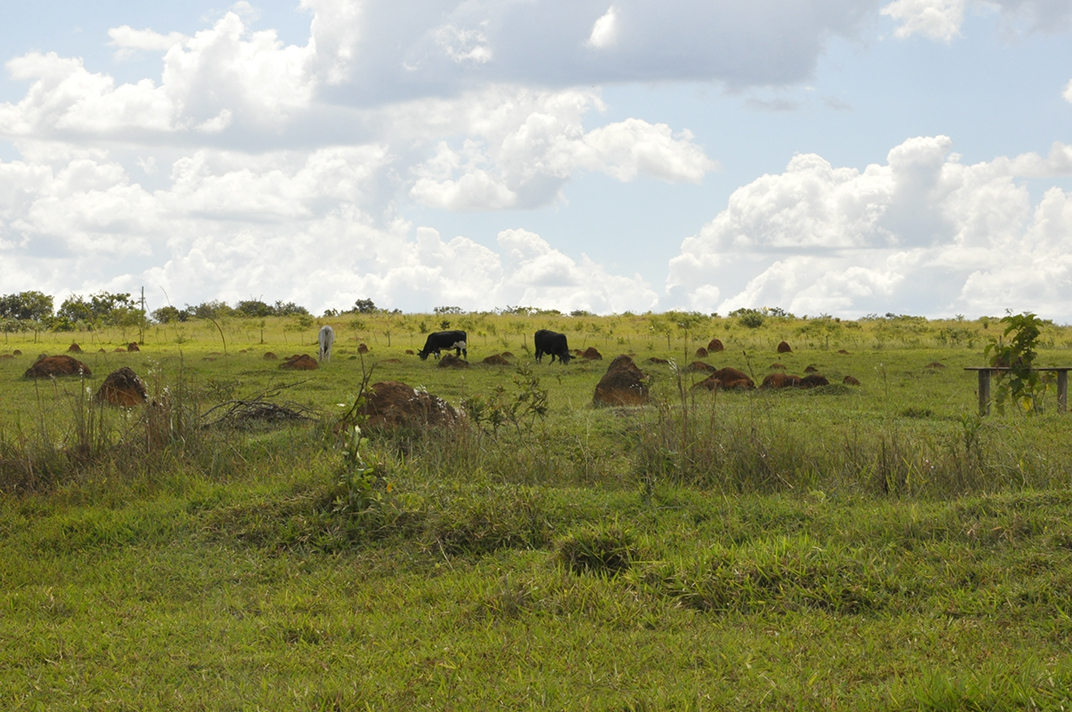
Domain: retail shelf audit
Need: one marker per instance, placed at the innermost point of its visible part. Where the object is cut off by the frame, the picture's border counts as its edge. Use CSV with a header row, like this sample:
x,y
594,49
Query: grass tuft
x,y
603,550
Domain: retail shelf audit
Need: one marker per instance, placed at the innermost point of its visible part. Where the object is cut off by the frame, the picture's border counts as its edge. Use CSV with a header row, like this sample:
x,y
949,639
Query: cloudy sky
x,y
823,156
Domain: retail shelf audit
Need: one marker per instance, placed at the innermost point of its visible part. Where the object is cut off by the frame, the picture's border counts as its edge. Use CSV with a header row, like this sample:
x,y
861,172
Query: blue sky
x,y
823,156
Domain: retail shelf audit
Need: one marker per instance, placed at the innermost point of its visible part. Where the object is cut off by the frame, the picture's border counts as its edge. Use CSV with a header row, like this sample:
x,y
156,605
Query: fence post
x,y
984,392
1062,390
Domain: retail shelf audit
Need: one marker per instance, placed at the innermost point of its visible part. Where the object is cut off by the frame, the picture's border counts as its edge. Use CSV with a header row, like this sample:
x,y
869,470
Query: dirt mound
x,y
591,354
120,350
452,361
715,345
122,388
622,384
811,369
784,348
701,352
697,366
776,366
726,378
74,349
813,380
362,349
656,359
7,356
48,366
780,380
496,360
133,346
506,354
16,352
409,352
391,404
850,381
843,351
390,360
305,362
269,356
937,364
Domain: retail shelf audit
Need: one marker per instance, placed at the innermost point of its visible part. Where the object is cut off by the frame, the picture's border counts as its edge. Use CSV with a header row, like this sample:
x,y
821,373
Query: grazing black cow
x,y
444,340
551,342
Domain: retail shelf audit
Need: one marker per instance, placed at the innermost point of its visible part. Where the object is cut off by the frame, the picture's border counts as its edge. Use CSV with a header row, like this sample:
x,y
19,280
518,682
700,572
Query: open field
x,y
878,547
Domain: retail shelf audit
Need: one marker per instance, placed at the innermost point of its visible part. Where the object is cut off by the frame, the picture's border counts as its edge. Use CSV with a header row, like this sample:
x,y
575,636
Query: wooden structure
x,y
984,384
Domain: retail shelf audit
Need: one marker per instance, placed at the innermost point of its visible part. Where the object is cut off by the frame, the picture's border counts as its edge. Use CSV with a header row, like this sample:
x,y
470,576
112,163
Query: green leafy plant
x,y
361,487
1020,384
527,405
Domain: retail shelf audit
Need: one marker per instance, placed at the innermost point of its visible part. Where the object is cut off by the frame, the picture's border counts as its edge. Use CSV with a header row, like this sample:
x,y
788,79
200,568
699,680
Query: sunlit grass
x,y
872,548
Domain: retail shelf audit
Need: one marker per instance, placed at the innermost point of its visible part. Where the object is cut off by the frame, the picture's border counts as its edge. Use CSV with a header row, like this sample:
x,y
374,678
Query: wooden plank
x,y
1062,390
984,392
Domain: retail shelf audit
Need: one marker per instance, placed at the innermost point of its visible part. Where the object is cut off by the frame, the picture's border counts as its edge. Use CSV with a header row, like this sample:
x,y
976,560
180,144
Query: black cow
x,y
444,340
551,342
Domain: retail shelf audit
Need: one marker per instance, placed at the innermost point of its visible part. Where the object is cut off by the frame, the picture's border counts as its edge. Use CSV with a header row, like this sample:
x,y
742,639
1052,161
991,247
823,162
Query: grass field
x,y
878,547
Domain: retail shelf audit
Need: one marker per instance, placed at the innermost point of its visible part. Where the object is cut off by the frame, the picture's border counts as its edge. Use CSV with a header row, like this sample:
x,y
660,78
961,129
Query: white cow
x,y
326,337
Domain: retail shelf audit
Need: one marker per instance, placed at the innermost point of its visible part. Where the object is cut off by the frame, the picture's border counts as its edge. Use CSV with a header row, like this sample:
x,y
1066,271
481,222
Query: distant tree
x,y
111,308
365,306
751,318
253,308
210,310
447,310
26,306
290,309
75,310
100,309
169,314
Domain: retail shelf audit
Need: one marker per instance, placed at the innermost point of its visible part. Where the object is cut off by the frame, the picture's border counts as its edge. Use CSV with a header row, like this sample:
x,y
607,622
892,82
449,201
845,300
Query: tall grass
x,y
751,449
71,435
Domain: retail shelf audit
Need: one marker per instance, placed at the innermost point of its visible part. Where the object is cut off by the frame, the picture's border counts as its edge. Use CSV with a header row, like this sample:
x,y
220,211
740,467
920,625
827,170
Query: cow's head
x,y
423,355
565,357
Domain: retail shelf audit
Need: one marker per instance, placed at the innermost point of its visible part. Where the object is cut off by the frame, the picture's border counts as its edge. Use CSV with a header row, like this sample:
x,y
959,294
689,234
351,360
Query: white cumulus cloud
x,y
129,40
936,19
605,30
943,19
292,225
922,233
525,148
222,76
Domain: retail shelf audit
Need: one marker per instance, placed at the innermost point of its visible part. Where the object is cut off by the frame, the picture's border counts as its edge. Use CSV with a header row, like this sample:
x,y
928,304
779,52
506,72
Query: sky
x,y
842,157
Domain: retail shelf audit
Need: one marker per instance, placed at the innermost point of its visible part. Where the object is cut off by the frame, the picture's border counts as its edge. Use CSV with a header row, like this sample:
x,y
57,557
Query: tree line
x,y
35,311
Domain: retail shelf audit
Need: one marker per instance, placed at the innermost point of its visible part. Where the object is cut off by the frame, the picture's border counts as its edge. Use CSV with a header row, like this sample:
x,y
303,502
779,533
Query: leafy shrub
x,y
750,318
1021,383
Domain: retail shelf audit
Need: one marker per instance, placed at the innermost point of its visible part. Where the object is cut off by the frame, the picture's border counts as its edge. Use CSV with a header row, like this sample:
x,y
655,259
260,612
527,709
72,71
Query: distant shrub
x,y
752,320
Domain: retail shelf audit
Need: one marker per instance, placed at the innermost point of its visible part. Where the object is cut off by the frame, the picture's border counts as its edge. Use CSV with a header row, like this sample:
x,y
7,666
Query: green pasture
x,y
872,547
